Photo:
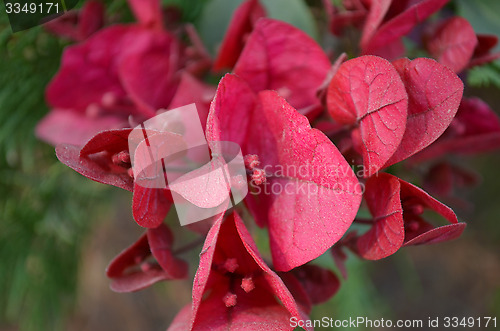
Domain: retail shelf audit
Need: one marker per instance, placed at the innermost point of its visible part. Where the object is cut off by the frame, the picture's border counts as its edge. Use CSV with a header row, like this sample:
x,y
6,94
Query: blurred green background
x,y
59,230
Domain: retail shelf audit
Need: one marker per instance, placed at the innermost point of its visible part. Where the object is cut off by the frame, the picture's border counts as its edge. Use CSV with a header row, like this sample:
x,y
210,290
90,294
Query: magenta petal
x,y
321,199
70,127
91,18
411,197
230,111
88,70
132,270
150,205
367,91
242,24
437,235
387,234
160,243
410,191
95,168
319,283
252,307
111,141
434,94
475,129
401,24
149,76
280,57
378,9
453,43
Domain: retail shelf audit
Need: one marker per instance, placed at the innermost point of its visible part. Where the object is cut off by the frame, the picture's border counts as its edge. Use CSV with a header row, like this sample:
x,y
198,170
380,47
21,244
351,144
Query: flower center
x,y
257,175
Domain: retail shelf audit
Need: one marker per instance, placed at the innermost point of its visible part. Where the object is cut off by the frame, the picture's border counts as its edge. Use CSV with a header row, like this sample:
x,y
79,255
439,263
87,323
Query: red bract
x,y
89,84
278,56
475,129
397,208
376,14
319,283
453,43
322,193
242,23
120,72
482,52
387,234
78,25
418,231
106,159
233,288
133,270
368,92
150,76
394,28
434,94
353,13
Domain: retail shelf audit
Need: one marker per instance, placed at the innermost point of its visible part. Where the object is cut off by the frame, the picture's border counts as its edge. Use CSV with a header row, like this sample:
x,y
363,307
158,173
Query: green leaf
x,y
485,75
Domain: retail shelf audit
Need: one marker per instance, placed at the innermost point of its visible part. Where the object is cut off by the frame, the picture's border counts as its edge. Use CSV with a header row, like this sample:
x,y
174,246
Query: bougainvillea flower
x,y
133,269
94,84
475,129
242,23
105,159
234,289
316,192
280,57
376,14
453,43
434,94
120,72
389,31
397,207
78,25
368,92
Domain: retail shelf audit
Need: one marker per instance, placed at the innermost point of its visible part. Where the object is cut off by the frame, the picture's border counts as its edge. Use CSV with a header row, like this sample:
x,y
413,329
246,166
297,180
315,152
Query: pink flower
x,y
321,197
133,269
234,288
120,74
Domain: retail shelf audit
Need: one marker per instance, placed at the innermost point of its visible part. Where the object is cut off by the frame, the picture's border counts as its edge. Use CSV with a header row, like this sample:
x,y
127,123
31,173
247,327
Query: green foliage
x,y
485,76
42,215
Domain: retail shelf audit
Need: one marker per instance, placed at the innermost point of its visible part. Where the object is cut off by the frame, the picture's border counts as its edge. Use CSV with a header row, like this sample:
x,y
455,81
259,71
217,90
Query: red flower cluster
x,y
304,127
